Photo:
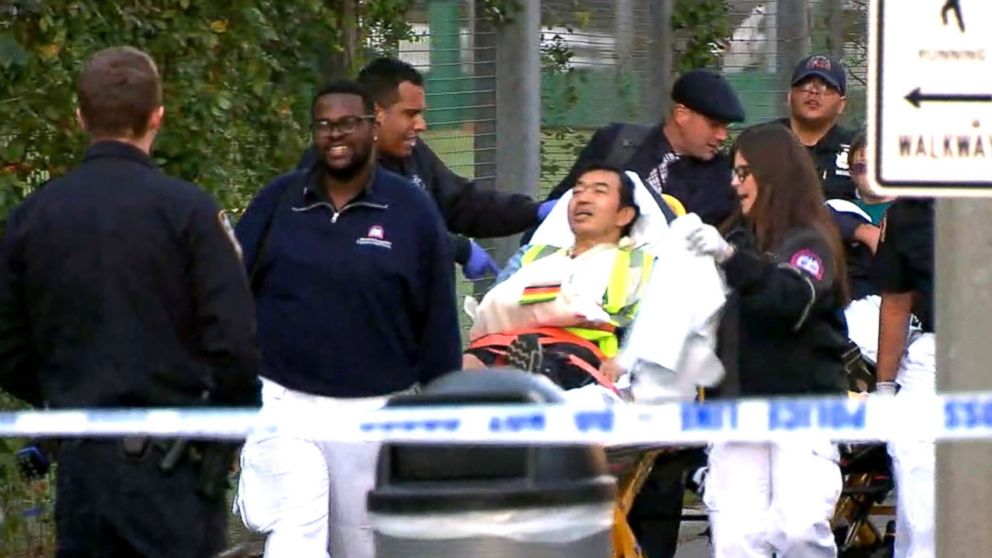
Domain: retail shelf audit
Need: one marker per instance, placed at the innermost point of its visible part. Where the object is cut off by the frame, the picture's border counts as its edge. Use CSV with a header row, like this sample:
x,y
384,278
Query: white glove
x,y
707,241
885,388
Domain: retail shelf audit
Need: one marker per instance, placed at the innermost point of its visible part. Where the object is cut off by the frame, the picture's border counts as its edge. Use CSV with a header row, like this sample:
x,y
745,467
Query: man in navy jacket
x,y
351,272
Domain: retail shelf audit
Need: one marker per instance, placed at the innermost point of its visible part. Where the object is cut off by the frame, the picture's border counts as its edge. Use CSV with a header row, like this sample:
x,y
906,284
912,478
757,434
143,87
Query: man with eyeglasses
x,y
351,271
682,157
468,208
817,100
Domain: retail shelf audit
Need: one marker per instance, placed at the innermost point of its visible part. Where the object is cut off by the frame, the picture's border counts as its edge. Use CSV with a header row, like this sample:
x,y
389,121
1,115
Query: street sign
x,y
930,97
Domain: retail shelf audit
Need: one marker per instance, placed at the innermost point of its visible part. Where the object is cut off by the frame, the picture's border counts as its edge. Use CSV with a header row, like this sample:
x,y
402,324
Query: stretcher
x,y
631,465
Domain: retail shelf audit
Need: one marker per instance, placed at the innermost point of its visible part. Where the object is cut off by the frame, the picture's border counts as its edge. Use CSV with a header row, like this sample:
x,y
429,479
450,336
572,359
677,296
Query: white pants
x,y
307,495
914,462
773,497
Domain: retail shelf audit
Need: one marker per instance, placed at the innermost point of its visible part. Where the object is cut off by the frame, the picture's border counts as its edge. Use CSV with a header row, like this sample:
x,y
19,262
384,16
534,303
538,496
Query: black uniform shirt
x,y
830,157
120,286
904,262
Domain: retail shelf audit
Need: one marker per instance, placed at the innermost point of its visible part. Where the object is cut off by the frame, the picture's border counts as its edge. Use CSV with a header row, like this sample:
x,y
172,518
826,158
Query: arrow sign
x,y
916,97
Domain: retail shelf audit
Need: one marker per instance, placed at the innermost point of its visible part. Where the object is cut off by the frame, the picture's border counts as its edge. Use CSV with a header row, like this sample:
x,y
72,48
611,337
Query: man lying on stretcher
x,y
561,311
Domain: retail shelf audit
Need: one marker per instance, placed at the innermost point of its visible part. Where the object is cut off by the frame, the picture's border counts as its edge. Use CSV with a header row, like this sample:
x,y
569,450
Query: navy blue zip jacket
x,y
356,302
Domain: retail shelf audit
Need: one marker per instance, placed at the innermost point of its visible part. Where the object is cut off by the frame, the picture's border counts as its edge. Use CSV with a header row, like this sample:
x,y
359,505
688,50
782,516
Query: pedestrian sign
x,y
930,97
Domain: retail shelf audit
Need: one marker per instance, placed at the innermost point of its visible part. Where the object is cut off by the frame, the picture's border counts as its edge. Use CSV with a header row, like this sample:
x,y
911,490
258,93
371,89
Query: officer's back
x,y
120,287
116,274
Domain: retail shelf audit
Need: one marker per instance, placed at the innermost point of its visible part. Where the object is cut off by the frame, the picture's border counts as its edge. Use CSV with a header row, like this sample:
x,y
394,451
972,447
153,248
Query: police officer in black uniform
x,y
122,287
681,156
816,102
468,208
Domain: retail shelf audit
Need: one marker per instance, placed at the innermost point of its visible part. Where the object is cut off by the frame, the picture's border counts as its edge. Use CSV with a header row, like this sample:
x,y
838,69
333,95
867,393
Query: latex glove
x,y
707,241
480,264
545,208
885,388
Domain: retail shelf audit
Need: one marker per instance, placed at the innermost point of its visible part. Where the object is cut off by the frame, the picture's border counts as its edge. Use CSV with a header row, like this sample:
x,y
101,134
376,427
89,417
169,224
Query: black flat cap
x,y
709,94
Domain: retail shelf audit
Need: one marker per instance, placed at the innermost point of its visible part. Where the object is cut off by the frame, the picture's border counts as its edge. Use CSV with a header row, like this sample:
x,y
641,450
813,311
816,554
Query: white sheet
x,y
676,324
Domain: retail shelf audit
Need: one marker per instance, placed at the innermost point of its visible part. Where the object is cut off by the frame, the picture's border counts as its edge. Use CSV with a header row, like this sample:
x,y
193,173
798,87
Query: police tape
x,y
946,417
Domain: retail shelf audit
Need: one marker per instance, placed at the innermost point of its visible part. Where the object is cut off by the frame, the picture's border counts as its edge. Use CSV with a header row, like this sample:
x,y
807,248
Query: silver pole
x,y
660,66
518,108
964,355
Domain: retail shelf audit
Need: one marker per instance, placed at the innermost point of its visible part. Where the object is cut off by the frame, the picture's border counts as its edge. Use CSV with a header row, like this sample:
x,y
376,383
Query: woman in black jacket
x,y
785,266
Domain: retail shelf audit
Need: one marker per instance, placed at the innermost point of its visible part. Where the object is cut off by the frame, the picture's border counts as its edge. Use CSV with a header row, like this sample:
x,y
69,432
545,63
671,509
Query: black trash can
x,y
466,501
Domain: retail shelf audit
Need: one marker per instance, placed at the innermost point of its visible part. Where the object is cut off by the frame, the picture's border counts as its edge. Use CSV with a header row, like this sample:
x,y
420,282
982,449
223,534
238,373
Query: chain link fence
x,y
767,38
595,66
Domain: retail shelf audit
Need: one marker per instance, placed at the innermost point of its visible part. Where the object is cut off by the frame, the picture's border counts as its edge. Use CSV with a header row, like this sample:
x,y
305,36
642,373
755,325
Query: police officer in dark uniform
x,y
681,156
816,102
903,270
122,287
468,208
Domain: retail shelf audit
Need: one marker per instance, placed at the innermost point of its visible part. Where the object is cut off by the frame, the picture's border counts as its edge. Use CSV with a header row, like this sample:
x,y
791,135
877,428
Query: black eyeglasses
x,y
742,172
346,125
858,169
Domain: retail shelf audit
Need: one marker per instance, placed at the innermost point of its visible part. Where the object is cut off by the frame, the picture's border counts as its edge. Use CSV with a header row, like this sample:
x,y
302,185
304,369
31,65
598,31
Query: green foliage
x,y
556,60
384,22
238,77
501,11
702,23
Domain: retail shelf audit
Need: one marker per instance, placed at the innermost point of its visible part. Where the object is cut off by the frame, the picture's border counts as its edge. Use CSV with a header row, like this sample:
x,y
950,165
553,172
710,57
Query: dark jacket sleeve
x,y
596,150
225,312
440,341
460,247
470,209
784,290
19,373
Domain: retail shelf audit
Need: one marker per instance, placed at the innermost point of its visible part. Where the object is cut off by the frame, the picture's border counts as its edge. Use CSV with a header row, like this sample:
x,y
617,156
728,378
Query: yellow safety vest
x,y
615,300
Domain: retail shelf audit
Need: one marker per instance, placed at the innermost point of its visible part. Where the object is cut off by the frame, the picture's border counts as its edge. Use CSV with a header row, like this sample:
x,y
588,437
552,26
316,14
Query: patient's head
x,y
602,208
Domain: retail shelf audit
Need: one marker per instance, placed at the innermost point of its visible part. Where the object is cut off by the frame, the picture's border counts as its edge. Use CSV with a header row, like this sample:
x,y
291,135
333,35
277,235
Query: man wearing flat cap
x,y
681,156
816,102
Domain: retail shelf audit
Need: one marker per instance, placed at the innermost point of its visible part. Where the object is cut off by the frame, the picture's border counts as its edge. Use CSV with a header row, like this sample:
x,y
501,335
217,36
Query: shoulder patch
x,y
225,225
808,261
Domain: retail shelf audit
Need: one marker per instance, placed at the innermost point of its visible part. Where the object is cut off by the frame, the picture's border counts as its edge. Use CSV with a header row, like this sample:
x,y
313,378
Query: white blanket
x,y
676,323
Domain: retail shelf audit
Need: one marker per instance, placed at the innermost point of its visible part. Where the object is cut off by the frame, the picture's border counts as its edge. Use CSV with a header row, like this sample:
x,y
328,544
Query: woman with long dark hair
x,y
784,335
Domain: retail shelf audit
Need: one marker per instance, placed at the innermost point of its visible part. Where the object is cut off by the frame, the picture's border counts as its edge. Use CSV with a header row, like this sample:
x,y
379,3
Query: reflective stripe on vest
x,y
541,293
539,251
614,300
606,340
616,292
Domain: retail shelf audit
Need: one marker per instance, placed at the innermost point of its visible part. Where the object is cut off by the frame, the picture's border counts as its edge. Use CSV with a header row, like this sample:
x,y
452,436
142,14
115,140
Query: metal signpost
x,y
930,134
